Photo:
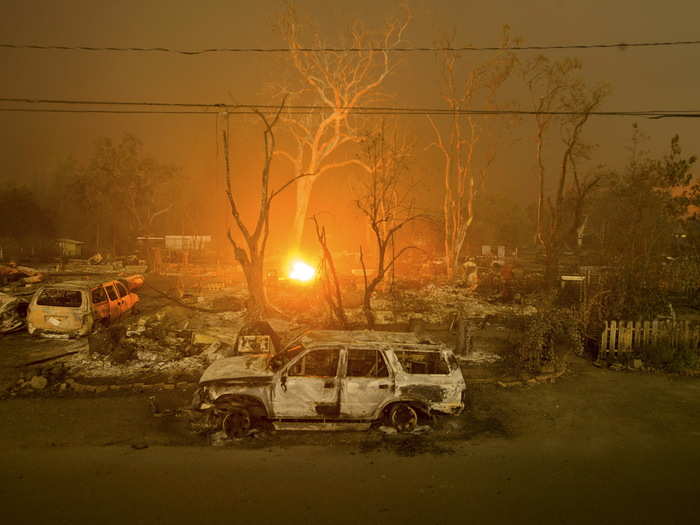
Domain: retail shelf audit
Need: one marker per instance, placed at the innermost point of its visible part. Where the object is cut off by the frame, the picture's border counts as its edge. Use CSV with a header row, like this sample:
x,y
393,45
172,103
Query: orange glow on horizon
x,y
302,272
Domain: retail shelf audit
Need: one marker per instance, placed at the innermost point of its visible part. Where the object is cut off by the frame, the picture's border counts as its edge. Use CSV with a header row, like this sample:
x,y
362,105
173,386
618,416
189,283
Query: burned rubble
x,y
13,313
172,342
176,336
169,343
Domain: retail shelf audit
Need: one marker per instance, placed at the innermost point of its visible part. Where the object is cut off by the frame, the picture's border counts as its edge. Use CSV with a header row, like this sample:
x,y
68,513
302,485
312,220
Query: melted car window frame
x,y
303,368
111,292
121,289
421,362
379,369
96,297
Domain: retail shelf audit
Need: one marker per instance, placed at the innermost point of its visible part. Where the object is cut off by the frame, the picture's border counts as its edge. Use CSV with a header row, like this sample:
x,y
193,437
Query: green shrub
x,y
657,356
669,357
543,340
684,358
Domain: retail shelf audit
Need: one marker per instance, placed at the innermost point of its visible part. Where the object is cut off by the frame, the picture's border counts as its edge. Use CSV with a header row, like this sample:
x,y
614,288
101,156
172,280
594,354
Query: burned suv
x,y
352,378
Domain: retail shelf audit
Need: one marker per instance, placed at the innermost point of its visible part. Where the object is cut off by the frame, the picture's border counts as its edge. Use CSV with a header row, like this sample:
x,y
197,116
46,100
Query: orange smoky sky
x,y
31,144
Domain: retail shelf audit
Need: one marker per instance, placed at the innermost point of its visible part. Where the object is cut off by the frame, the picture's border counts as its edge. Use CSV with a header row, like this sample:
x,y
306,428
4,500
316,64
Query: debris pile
x,y
11,273
13,313
174,343
436,306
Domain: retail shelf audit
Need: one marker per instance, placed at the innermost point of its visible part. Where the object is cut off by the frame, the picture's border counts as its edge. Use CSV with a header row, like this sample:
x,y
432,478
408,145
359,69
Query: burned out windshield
x,y
417,362
59,297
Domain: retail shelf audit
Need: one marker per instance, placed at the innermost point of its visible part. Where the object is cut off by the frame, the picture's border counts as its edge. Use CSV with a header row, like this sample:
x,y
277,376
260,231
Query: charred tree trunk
x,y
251,255
551,265
387,209
371,286
367,304
114,240
331,285
257,307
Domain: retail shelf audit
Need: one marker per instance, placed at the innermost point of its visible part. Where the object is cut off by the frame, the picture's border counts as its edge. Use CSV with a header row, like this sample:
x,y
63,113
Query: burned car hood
x,y
239,367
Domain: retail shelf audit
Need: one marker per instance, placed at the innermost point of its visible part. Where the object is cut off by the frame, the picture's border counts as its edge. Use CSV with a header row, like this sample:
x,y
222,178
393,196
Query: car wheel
x,y
403,417
237,423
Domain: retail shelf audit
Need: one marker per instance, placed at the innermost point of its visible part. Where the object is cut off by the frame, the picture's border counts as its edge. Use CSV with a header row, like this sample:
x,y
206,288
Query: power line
x,y
109,111
650,115
247,109
143,112
29,100
242,50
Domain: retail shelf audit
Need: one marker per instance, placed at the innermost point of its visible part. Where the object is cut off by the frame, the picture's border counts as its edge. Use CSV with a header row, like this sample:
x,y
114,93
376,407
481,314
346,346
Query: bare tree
x,y
546,80
251,256
329,279
580,101
123,189
579,195
385,200
339,81
468,145
555,86
140,199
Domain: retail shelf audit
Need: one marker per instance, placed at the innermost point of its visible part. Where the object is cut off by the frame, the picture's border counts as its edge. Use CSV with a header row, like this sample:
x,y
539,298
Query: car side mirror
x,y
283,382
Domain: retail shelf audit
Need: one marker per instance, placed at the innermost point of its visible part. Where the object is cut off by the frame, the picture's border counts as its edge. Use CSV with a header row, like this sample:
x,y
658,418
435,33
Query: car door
x,y
100,303
124,298
114,308
308,388
366,385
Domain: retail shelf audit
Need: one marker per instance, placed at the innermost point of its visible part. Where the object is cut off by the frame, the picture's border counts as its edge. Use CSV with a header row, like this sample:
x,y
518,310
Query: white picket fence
x,y
620,338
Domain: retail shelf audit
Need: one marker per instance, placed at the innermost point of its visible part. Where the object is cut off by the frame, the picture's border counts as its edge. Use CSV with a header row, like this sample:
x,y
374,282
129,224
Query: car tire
x,y
237,423
403,417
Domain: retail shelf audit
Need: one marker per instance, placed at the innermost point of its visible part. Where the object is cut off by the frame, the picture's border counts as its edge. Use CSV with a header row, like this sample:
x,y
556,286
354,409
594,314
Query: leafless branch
x,y
288,183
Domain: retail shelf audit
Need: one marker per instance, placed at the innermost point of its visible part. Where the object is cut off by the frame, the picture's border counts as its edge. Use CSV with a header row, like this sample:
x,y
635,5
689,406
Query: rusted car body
x,y
74,308
334,377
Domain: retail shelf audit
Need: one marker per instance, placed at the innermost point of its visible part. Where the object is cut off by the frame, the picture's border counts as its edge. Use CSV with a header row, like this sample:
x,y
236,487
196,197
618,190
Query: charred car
x,y
75,308
13,313
333,378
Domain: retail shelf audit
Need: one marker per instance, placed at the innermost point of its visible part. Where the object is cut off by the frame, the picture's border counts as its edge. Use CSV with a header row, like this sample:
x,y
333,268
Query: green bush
x,y
684,358
543,340
670,358
657,356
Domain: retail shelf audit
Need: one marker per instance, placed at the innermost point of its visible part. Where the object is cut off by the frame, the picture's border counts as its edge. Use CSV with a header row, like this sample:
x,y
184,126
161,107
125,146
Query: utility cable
x,y
241,50
638,114
213,108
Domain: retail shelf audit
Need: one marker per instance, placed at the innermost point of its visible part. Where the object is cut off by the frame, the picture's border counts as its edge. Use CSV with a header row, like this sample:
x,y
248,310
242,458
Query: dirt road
x,y
597,446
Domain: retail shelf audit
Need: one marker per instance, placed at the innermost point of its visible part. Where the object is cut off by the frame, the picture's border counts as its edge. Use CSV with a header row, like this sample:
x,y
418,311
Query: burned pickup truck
x,y
333,378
